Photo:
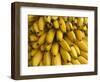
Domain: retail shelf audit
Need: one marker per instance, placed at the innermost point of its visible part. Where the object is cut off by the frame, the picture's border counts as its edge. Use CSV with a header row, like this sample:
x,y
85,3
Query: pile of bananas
x,y
57,40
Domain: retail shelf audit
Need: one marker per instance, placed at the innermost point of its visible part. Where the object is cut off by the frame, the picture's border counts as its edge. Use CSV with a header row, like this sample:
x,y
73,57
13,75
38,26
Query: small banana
x,y
54,17
55,48
56,24
56,60
65,55
77,49
47,58
33,37
73,52
42,39
35,45
62,24
82,60
35,26
64,45
68,41
69,26
33,52
84,54
41,23
47,47
82,45
37,58
47,19
75,61
71,36
59,35
80,21
50,36
79,34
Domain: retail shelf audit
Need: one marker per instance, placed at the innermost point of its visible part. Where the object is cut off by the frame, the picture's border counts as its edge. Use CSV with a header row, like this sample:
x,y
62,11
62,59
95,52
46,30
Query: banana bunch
x,y
57,40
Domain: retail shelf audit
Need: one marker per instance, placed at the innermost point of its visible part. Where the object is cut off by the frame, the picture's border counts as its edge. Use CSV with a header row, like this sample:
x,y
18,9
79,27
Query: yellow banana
x,y
69,26
75,61
65,18
47,58
73,52
54,17
56,60
59,35
33,37
86,20
77,49
82,45
47,19
62,24
68,41
80,35
50,36
80,21
82,60
42,39
33,52
65,55
55,48
56,24
42,47
40,33
41,23
71,36
64,45
35,26
47,47
41,63
37,58
84,54
35,45
30,18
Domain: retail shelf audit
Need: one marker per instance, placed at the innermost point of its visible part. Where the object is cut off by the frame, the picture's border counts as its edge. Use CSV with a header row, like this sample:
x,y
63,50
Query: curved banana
x,y
75,61
77,49
33,37
35,26
68,41
82,60
47,47
35,45
56,24
59,35
33,52
84,54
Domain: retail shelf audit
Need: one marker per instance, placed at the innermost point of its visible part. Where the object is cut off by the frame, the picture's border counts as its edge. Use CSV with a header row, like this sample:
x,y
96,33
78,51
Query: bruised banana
x,y
75,61
56,60
59,35
41,23
71,36
42,39
64,45
65,55
37,58
50,36
56,24
82,60
84,54
47,58
62,24
55,48
73,52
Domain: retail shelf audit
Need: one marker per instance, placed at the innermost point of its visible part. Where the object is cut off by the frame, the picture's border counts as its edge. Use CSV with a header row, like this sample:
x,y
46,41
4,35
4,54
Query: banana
x,y
42,39
59,35
50,36
37,58
69,26
30,18
35,26
47,19
65,55
35,45
56,60
55,48
42,47
47,47
75,61
33,52
86,20
33,37
82,45
64,45
68,41
54,17
41,23
77,49
47,59
65,19
71,36
62,24
84,54
40,33
56,24
41,63
80,21
73,52
82,60
79,34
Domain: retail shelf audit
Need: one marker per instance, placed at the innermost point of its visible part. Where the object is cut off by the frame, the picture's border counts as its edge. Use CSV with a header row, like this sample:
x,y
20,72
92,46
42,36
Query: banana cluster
x,y
57,40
